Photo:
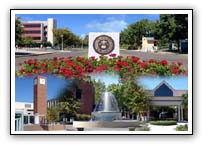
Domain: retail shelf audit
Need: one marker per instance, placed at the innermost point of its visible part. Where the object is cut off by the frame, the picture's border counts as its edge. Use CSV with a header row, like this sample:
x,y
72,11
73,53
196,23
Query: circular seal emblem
x,y
103,44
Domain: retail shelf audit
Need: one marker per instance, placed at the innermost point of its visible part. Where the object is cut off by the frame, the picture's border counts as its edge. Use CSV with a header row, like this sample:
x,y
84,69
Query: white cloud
x,y
110,25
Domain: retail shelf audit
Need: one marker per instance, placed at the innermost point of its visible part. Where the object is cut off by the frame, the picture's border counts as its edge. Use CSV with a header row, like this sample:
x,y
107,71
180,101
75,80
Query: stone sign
x,y
103,44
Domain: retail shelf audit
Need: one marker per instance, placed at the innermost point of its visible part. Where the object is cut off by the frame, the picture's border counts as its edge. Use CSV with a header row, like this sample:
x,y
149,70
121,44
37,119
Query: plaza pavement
x,y
155,128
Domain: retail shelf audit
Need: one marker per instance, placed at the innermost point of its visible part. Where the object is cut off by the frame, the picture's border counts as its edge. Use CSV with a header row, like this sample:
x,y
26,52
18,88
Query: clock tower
x,y
40,99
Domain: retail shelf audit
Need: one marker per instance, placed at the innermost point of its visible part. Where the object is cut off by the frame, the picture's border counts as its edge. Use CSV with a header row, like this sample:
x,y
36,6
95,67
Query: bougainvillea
x,y
74,67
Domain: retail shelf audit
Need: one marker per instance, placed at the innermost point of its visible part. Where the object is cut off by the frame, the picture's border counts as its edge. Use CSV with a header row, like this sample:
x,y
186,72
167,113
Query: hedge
x,y
163,123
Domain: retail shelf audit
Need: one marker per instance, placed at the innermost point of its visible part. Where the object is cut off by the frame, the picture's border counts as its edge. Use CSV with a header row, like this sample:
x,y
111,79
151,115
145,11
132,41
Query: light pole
x,y
82,43
82,37
62,42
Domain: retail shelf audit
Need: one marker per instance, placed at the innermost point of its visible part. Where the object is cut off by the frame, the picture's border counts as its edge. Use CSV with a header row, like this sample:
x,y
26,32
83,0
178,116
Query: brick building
x,y
83,91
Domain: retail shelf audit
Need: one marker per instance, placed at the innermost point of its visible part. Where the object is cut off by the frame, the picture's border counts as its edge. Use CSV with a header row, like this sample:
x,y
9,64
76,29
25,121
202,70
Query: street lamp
x,y
82,37
62,42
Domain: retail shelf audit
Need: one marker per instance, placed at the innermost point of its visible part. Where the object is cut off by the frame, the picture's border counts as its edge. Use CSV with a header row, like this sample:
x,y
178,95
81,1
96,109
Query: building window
x,y
27,105
36,38
78,93
31,25
32,32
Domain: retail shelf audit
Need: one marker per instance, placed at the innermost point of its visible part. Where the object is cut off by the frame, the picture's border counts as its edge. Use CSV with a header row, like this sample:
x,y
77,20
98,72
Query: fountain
x,y
106,115
107,109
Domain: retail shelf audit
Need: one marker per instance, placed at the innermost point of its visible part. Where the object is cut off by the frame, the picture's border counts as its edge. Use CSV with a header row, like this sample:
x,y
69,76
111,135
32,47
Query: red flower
x,y
92,58
89,68
66,72
22,71
135,59
124,63
61,58
173,63
164,62
55,58
120,57
143,65
175,71
180,63
30,62
113,55
101,68
117,68
35,71
43,64
151,60
78,69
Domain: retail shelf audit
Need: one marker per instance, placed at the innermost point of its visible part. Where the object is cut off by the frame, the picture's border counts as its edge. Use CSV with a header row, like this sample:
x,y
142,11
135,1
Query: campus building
x,y
35,113
164,96
40,30
149,44
84,92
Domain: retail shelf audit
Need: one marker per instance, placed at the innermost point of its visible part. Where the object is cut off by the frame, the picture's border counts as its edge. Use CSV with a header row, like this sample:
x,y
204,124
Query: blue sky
x,y
82,24
178,83
24,86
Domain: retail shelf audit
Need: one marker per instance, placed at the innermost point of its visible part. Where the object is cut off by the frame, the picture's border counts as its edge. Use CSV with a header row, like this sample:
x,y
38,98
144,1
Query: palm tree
x,y
185,100
185,105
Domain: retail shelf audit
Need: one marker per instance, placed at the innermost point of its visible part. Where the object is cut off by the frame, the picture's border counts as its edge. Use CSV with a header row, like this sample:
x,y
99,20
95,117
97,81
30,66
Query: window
x,y
31,25
36,38
27,105
32,32
78,93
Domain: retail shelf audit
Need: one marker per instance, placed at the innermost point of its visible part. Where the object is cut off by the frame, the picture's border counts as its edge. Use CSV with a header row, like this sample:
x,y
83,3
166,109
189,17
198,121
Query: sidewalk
x,y
24,52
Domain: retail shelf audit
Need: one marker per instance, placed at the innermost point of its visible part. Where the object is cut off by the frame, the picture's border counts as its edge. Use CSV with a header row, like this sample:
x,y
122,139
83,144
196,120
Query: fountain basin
x,y
106,124
105,116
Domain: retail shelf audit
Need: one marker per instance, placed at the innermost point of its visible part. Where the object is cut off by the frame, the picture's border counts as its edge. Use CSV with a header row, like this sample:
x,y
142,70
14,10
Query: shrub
x,y
82,117
182,127
163,123
131,128
142,128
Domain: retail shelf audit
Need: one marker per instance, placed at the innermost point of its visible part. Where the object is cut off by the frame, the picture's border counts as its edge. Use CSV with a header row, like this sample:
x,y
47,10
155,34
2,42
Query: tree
x,y
173,27
181,21
68,103
27,41
99,89
138,98
18,31
86,41
133,34
130,96
185,100
118,91
52,114
69,38
45,43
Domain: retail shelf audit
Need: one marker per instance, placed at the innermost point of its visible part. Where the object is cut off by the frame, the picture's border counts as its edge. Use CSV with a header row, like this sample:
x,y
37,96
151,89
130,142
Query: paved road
x,y
159,56
142,55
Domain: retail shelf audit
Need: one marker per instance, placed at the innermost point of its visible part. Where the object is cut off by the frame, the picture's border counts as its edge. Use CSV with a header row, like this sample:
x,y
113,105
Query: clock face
x,y
103,44
42,81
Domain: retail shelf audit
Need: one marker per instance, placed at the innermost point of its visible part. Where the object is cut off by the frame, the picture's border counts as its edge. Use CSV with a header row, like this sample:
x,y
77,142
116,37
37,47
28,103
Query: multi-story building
x,y
40,30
